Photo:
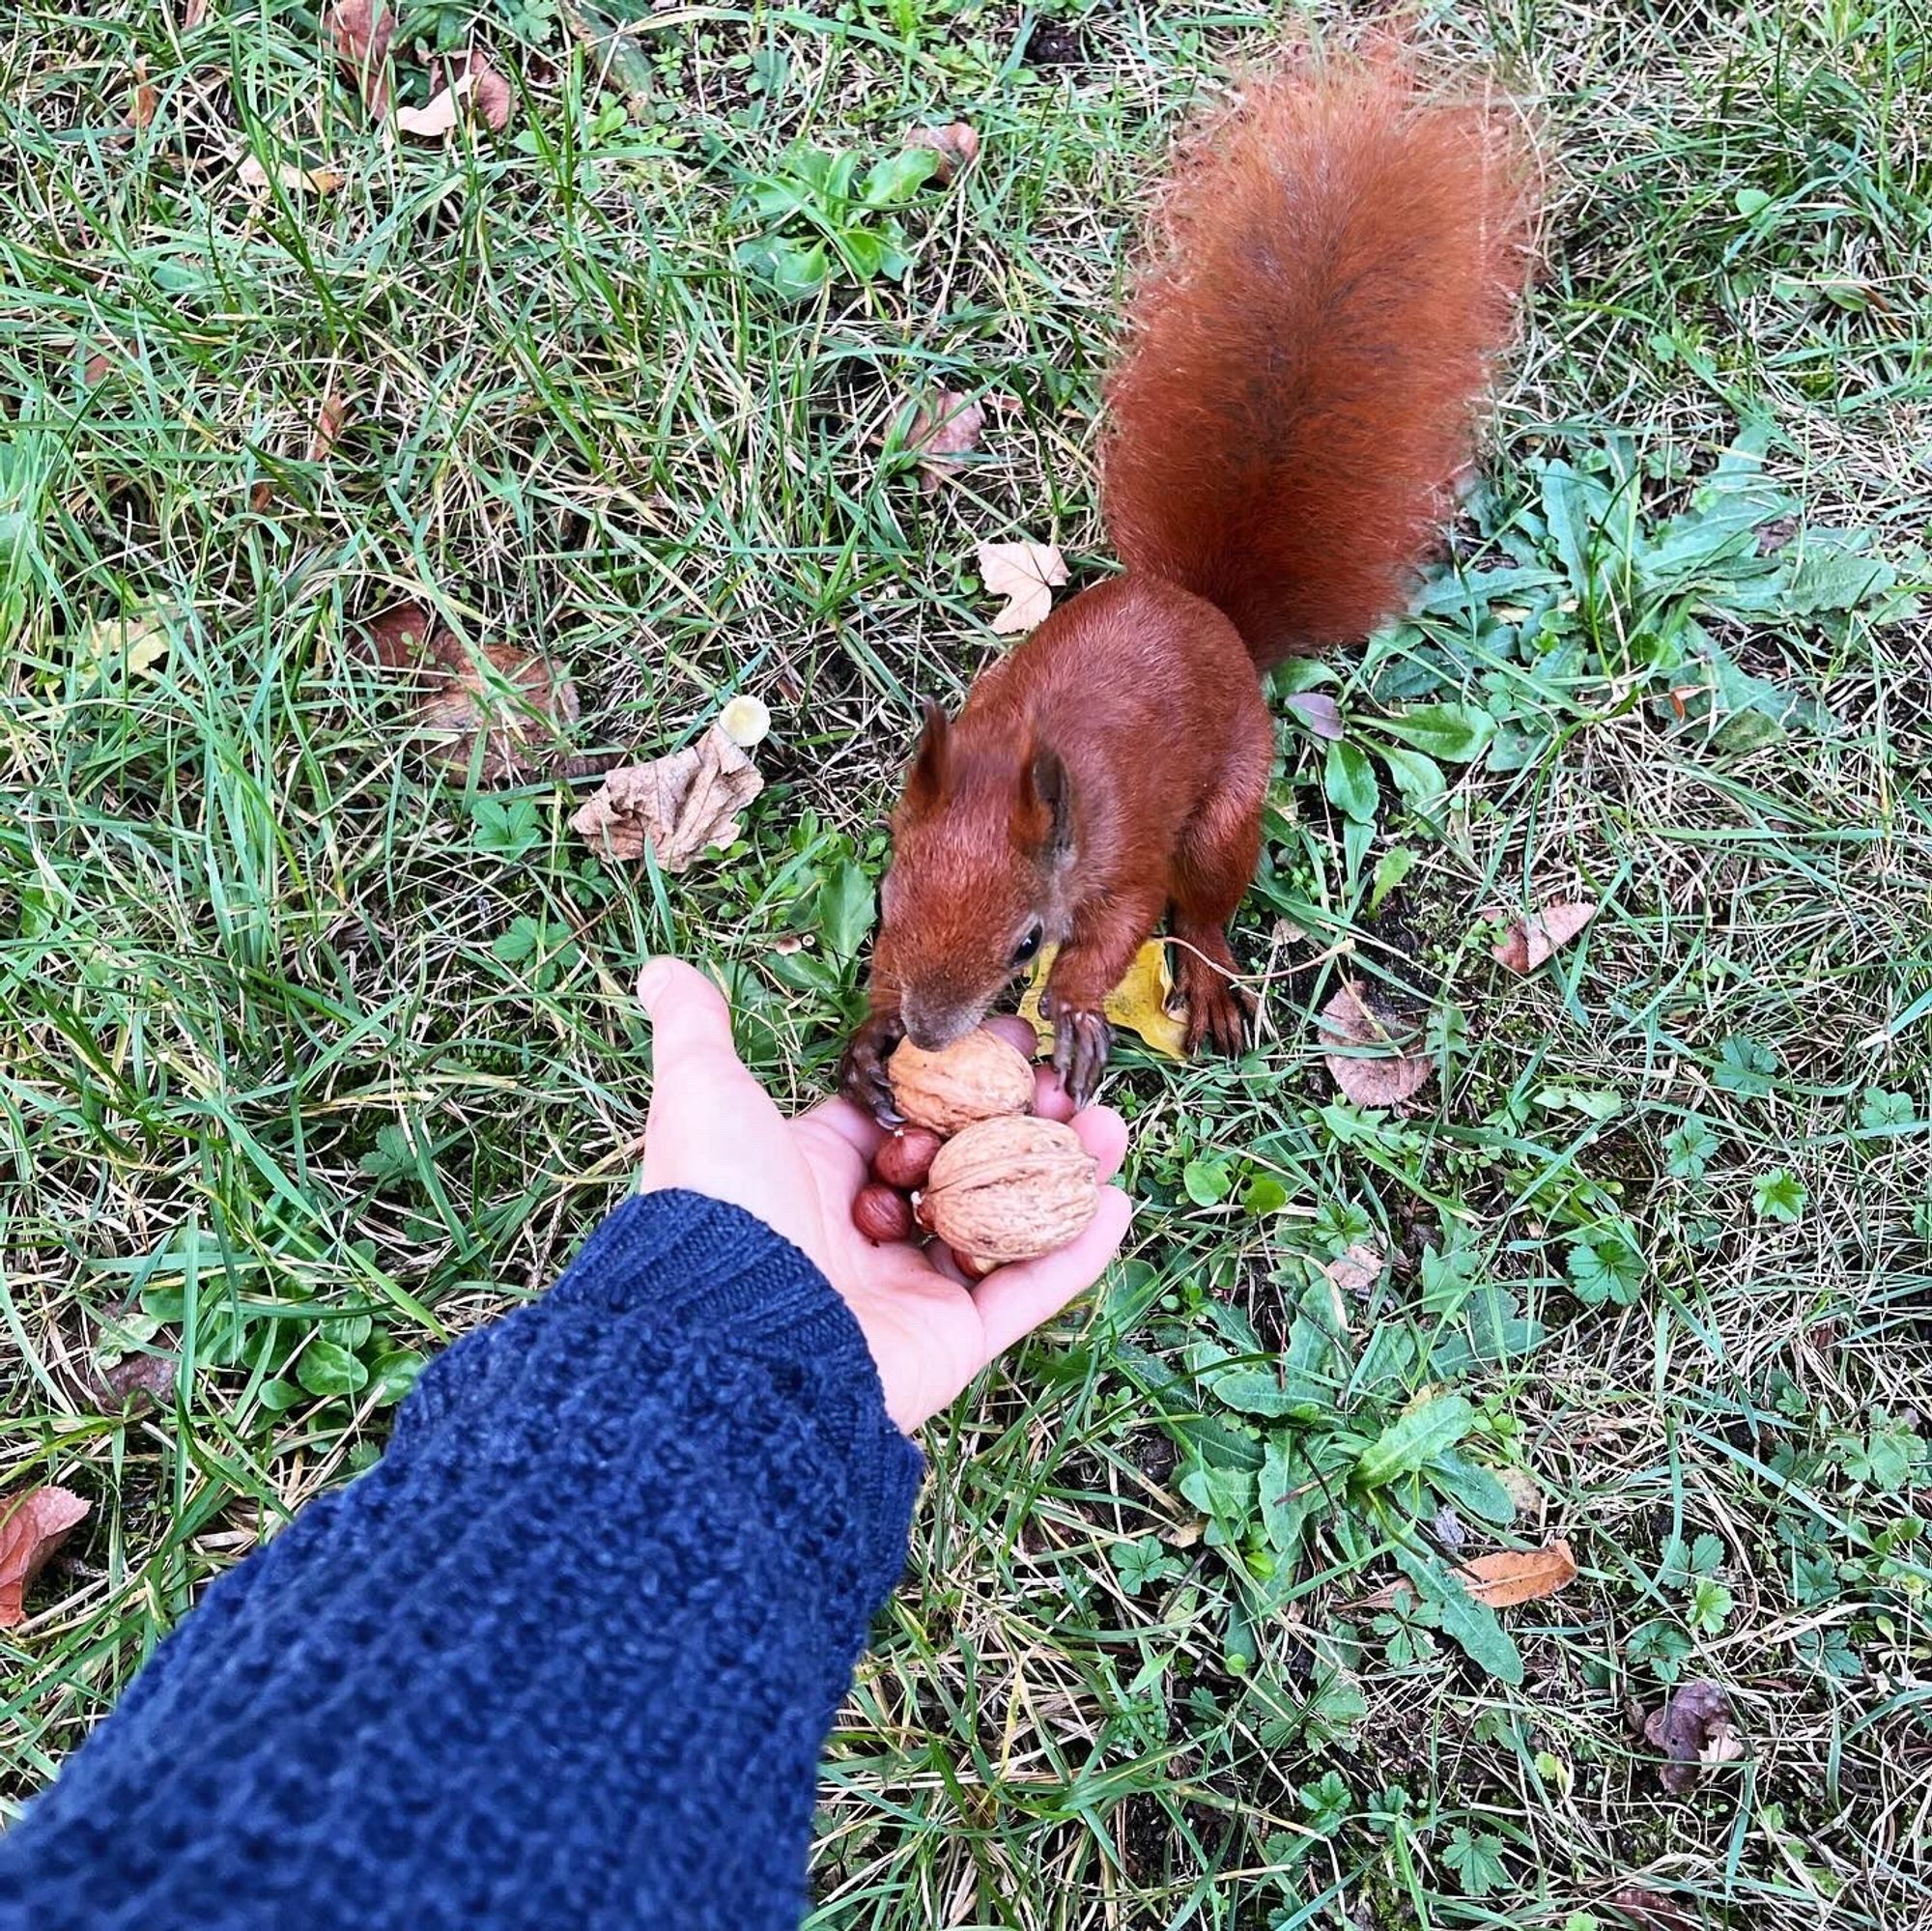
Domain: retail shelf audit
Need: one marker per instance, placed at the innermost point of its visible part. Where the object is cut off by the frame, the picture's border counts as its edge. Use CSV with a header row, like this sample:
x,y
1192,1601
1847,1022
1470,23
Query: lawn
x,y
318,1048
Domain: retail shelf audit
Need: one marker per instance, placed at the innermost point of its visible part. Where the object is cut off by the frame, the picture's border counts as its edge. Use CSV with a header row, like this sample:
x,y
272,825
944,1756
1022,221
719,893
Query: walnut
x,y
978,1077
1011,1189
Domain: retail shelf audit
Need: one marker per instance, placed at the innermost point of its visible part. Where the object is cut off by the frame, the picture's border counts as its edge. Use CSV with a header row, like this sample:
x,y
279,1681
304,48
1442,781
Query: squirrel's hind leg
x,y
1213,865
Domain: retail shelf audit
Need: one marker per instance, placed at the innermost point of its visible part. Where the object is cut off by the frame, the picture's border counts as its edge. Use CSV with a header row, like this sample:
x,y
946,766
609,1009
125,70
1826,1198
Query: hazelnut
x,y
1011,1189
971,1265
905,1158
978,1077
881,1212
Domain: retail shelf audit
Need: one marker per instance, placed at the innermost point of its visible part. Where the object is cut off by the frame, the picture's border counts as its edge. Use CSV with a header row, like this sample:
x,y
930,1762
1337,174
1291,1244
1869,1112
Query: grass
x,y
315,1055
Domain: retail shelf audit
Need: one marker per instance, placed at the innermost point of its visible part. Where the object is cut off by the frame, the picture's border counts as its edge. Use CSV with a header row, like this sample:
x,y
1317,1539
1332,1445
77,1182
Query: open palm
x,y
713,1129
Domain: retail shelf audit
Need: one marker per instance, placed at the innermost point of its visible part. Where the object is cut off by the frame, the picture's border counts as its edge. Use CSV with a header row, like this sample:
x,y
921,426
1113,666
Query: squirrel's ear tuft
x,y
925,783
1046,804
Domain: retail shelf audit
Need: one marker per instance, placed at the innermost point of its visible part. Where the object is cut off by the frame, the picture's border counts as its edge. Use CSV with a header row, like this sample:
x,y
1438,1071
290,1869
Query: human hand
x,y
713,1129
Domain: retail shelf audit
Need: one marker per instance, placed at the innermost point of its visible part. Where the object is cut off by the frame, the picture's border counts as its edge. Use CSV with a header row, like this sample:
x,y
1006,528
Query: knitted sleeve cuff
x,y
710,1277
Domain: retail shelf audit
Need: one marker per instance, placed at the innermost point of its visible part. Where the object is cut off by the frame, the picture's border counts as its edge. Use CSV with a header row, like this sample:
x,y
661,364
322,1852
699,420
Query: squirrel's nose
x,y
932,1029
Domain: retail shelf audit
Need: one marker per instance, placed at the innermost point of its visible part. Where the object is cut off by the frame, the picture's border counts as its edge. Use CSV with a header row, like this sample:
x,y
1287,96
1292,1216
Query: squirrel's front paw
x,y
1082,1041
862,1068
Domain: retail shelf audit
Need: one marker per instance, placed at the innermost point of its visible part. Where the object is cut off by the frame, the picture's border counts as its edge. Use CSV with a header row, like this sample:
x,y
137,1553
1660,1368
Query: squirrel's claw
x,y
861,1068
1081,1043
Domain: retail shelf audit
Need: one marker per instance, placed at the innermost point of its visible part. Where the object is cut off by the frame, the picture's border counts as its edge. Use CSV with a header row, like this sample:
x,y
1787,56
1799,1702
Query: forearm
x,y
566,1654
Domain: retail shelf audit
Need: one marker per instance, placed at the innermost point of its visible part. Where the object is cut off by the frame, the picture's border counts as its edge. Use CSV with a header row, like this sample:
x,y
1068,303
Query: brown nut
x,y
881,1212
978,1077
1011,1189
971,1265
905,1157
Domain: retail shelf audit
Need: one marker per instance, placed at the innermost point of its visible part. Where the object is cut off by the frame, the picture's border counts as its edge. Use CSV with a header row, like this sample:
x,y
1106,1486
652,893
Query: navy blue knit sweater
x,y
564,1656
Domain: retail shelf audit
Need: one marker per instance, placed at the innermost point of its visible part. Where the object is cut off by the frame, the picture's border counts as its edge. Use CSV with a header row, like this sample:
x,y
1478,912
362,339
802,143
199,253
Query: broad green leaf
x,y
1225,1495
865,252
1416,1435
327,1368
1417,779
1395,865
1464,1621
1349,781
1455,733
1471,1486
1290,1494
1263,1196
395,1373
844,908
1208,1182
898,178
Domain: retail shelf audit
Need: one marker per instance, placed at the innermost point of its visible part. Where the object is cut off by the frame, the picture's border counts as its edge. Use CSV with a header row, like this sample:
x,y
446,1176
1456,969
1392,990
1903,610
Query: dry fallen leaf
x,y
680,806
1320,712
1652,1910
398,637
491,96
360,31
294,179
1693,1729
1025,575
1502,1580
1140,1002
946,428
144,100
33,1525
104,362
515,706
1519,1574
441,116
149,1375
1519,1486
1356,1271
957,146
192,13
328,420
1539,935
133,645
1389,1077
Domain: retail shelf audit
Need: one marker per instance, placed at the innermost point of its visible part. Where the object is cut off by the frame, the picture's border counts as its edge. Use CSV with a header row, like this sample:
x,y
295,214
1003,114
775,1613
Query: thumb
x,y
687,1014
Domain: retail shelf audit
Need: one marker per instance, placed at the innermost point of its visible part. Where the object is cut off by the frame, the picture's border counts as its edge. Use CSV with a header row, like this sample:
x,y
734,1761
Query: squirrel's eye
x,y
1027,946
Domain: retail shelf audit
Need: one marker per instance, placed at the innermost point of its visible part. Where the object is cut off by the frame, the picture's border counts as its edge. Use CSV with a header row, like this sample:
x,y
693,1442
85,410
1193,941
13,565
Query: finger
x,y
1050,1100
845,1121
1104,1134
690,1025
1012,1301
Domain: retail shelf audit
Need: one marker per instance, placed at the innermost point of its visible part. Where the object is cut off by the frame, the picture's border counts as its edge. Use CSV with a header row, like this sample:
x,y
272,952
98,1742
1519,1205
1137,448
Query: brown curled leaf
x,y
498,709
1502,1580
946,427
1372,1069
955,146
33,1525
1693,1729
361,32
1538,936
1357,1271
140,1378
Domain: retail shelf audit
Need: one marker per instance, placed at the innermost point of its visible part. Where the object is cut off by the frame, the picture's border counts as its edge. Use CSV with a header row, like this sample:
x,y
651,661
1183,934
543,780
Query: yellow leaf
x,y
1139,1002
133,646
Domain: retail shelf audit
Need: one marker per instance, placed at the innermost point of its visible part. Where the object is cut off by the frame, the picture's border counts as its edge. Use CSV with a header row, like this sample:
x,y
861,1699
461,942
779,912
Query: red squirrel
x,y
1342,253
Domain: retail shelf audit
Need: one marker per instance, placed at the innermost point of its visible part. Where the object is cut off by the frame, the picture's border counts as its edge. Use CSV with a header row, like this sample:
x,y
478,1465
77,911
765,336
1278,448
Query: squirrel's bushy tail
x,y
1342,255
